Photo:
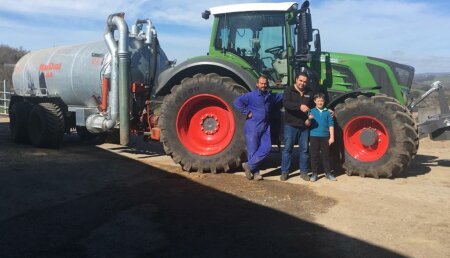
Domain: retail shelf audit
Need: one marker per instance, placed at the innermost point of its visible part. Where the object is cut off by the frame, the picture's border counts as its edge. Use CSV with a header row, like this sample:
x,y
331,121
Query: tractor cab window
x,y
259,39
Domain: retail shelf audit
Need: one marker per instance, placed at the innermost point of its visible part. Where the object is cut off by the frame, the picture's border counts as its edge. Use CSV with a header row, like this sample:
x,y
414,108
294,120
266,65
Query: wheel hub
x,y
368,137
365,138
209,124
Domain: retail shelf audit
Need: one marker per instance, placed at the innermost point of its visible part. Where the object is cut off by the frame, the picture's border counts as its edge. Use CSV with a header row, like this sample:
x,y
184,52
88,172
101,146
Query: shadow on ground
x,y
80,201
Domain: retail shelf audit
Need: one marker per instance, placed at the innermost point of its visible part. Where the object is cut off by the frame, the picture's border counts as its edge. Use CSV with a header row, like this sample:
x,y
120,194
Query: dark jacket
x,y
292,100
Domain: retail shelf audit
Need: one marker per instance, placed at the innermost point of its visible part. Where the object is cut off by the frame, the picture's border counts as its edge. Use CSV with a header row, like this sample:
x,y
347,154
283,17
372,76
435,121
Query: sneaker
x,y
257,177
313,178
248,173
284,176
330,177
304,176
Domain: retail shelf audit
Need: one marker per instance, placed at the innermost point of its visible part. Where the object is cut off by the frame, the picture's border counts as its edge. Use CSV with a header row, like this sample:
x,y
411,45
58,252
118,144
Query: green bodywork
x,y
339,73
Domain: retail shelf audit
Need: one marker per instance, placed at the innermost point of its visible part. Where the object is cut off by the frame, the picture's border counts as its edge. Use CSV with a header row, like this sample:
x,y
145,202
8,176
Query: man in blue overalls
x,y
256,105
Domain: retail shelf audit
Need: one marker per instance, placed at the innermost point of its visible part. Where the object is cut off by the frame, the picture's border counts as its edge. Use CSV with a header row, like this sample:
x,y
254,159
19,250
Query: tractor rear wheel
x,y
46,125
378,135
18,117
199,124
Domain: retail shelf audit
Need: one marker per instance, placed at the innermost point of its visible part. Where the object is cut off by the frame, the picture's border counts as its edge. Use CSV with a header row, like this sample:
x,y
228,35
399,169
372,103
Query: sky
x,y
413,32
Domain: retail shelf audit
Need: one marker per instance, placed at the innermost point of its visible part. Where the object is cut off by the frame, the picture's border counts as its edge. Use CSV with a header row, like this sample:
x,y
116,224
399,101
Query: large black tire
x,y
18,122
197,112
46,125
377,134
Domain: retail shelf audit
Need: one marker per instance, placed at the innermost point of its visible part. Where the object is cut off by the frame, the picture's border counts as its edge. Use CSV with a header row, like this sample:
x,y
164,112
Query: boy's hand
x,y
249,115
308,121
330,141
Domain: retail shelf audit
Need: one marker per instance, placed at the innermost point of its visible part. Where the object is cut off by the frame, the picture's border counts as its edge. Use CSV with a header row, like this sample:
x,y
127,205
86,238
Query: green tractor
x,y
202,132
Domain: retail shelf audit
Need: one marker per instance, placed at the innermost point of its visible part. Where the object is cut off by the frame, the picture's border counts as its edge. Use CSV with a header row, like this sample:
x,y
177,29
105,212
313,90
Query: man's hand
x,y
249,115
330,141
304,108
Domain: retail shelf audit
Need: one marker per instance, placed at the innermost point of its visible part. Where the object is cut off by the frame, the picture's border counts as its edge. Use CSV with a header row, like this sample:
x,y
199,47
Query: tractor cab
x,y
261,37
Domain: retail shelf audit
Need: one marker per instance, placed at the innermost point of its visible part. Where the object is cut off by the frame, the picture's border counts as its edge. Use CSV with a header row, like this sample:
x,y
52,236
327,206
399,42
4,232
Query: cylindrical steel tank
x,y
74,73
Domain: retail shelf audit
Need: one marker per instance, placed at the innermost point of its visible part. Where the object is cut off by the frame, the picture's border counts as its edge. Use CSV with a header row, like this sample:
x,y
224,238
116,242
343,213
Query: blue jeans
x,y
290,134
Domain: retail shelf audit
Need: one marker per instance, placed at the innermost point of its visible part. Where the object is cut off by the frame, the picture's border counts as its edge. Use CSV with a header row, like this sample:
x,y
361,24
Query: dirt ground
x,y
85,200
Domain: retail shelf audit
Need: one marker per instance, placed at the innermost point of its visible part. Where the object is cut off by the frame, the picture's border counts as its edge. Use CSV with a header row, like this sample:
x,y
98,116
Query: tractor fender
x,y
205,65
351,94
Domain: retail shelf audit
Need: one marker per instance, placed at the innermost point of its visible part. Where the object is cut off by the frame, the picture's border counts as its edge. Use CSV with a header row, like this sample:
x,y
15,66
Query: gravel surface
x,y
87,200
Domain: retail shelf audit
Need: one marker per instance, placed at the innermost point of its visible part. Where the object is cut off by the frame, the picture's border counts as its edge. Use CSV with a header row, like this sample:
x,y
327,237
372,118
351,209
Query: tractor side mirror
x,y
206,14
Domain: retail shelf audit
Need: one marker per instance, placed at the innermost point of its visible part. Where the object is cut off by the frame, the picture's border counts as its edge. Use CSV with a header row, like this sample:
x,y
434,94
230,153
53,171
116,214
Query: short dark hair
x,y
262,76
302,74
319,95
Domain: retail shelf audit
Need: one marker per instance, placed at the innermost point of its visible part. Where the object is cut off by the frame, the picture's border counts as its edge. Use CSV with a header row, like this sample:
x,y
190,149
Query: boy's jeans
x,y
290,135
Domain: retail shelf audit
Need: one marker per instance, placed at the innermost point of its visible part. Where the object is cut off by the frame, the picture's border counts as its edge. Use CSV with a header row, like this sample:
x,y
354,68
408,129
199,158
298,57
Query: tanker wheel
x,y
199,124
18,122
46,125
379,137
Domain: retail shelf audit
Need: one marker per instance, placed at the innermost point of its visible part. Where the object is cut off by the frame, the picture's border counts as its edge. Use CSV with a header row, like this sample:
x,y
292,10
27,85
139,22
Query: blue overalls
x,y
257,128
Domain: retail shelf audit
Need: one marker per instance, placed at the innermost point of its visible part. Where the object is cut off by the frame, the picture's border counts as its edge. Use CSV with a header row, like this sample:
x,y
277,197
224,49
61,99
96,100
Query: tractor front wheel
x,y
199,124
377,134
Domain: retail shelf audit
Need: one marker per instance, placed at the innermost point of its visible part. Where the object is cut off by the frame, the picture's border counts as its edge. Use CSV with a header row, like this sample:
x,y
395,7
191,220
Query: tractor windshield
x,y
259,39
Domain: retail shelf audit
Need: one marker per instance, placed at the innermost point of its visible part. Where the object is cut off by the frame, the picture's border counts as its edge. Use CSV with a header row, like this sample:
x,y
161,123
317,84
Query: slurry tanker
x,y
126,85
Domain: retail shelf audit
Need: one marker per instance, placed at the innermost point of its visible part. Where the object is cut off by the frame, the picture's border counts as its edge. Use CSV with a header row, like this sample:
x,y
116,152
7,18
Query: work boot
x,y
304,176
284,176
313,178
330,177
248,173
257,177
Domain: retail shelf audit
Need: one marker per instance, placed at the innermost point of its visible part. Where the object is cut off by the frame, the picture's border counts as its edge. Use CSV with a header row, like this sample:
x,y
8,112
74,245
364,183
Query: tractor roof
x,y
252,7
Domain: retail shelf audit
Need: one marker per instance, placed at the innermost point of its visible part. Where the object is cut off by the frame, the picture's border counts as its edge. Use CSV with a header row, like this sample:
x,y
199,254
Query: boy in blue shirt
x,y
321,137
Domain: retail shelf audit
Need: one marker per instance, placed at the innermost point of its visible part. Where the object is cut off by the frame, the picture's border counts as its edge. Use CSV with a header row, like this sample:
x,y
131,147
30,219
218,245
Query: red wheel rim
x,y
205,124
366,150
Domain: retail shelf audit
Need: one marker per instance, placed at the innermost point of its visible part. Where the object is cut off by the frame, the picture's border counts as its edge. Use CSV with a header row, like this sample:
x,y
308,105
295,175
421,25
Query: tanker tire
x,y
401,135
46,125
223,88
18,117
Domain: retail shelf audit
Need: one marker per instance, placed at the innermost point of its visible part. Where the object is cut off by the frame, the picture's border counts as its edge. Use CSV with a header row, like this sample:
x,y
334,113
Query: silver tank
x,y
74,73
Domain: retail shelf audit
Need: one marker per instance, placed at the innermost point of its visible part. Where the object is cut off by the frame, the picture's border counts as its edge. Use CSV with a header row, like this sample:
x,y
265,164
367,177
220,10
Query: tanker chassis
x,y
126,83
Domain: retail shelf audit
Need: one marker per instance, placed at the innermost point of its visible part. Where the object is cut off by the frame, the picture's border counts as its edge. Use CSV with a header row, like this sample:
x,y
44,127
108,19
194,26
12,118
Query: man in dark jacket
x,y
297,102
256,105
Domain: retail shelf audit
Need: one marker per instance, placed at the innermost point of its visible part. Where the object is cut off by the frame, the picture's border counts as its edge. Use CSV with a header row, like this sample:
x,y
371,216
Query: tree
x,y
8,58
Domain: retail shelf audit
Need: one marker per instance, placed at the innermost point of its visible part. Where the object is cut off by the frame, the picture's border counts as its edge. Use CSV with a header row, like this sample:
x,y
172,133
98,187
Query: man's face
x,y
262,84
320,102
300,82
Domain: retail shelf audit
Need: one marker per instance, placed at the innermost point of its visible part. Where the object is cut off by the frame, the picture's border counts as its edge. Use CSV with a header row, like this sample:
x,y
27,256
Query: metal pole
x,y
4,96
